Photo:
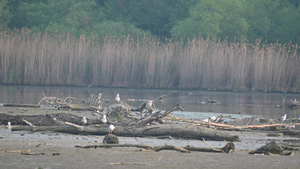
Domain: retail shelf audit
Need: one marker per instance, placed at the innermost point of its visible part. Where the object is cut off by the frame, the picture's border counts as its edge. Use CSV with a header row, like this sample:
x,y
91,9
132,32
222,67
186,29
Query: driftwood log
x,y
293,104
44,120
157,116
136,128
183,131
187,149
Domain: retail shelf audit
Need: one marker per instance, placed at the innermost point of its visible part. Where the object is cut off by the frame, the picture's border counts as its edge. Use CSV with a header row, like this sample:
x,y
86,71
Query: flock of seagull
x,y
111,127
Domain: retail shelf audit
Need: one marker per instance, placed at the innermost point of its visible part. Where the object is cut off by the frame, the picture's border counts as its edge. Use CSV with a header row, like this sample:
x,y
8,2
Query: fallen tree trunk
x,y
187,149
183,131
44,120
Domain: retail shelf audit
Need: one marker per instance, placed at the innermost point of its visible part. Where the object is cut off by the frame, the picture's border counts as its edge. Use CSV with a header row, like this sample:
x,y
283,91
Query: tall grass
x,y
62,59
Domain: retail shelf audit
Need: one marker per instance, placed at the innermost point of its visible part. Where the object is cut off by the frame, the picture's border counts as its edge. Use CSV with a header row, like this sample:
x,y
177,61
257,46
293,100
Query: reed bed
x,y
28,58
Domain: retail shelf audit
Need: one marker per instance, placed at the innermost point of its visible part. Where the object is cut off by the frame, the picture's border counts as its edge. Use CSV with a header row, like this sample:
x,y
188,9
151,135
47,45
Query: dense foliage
x,y
187,44
271,20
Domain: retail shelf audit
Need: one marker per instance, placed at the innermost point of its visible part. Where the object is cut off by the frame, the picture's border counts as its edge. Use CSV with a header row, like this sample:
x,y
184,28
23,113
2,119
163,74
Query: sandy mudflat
x,y
60,152
57,150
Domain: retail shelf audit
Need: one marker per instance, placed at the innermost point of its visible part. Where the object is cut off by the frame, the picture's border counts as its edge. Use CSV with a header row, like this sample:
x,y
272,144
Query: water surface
x,y
268,105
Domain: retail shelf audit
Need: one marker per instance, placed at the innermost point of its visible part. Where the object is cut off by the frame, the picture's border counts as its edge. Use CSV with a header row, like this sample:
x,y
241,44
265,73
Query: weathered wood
x,y
184,131
21,105
77,107
139,129
291,132
293,104
154,117
147,147
170,147
187,149
44,120
251,126
226,149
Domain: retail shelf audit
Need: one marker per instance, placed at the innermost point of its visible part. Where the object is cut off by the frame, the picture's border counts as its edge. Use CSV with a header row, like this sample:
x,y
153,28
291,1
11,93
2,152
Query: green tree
x,y
286,26
117,29
155,16
67,15
215,18
78,16
5,15
258,18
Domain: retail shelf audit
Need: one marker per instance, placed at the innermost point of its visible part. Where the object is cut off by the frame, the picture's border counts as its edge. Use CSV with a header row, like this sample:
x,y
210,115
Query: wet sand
x,y
59,151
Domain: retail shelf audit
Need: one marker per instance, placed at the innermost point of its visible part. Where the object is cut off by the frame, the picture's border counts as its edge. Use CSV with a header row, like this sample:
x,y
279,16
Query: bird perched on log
x,y
283,118
219,119
111,129
206,120
83,121
212,118
8,126
117,98
104,120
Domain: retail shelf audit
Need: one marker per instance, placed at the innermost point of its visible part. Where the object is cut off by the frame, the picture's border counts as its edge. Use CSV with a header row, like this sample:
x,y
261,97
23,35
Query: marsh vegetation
x,y
62,59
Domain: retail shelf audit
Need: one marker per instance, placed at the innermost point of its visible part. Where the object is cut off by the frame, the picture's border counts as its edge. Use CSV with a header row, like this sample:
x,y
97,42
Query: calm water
x,y
267,105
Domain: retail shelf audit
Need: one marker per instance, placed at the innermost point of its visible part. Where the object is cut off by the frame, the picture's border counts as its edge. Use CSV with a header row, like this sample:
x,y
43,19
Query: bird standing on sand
x,y
111,128
283,118
8,126
117,98
104,120
83,120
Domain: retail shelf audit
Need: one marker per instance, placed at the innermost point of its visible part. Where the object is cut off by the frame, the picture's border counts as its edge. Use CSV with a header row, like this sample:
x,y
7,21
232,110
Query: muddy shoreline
x,y
57,150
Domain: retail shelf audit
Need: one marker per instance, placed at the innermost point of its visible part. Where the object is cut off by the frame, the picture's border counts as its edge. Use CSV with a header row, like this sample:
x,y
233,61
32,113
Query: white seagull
x,y
117,98
8,126
213,118
206,120
104,120
283,118
111,128
83,121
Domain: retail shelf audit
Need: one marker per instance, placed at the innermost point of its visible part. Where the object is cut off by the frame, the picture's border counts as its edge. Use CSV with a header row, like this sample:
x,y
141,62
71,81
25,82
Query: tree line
x,y
231,20
184,44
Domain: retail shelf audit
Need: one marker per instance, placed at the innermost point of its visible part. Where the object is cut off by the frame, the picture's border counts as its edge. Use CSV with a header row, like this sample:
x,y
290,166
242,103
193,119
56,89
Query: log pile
x,y
293,104
137,128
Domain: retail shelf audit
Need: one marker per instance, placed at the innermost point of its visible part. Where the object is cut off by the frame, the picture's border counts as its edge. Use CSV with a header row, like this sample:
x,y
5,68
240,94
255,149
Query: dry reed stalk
x,y
63,59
